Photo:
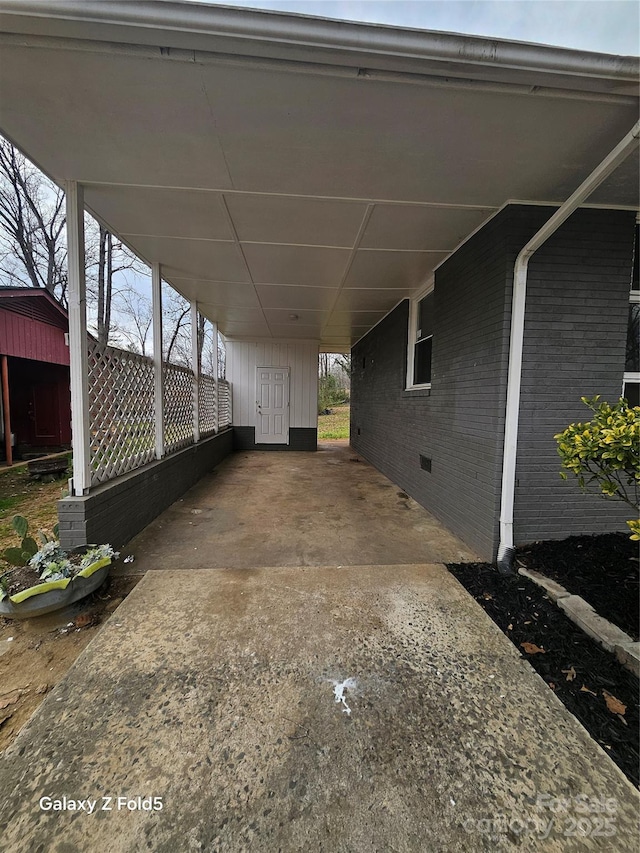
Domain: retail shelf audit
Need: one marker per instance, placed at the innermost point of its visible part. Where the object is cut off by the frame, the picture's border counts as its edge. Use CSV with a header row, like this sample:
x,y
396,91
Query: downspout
x,y
506,549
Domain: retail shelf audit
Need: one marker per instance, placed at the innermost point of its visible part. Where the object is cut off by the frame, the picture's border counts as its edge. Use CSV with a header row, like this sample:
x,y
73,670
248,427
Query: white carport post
x,y
216,406
158,394
78,350
195,365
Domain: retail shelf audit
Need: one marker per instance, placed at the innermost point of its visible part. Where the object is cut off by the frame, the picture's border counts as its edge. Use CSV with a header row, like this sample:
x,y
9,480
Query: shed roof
x,y
299,176
34,303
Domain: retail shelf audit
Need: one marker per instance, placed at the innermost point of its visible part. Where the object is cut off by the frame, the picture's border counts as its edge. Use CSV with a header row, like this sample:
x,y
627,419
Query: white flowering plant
x,y
49,562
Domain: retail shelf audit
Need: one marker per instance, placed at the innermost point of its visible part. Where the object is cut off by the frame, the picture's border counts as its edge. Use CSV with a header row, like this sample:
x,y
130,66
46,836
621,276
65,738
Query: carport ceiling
x,y
298,176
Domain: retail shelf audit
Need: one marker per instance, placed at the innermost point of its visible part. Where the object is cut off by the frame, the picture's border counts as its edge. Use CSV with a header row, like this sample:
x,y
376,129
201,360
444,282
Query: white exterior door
x,y
272,405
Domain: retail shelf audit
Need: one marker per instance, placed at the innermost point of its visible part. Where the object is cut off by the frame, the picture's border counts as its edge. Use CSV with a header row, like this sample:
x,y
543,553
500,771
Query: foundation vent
x,y
425,463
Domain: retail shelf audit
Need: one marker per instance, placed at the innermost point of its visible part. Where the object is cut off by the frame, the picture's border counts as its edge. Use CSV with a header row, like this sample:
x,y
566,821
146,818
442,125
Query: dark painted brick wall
x,y
116,511
459,425
574,345
300,438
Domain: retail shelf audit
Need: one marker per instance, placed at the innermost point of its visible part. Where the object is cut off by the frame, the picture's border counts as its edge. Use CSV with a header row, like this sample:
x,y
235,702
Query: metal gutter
x,y
625,147
191,25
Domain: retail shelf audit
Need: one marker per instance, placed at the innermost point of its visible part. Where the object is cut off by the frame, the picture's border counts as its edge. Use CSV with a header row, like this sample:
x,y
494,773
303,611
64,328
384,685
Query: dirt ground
x,y
36,653
21,494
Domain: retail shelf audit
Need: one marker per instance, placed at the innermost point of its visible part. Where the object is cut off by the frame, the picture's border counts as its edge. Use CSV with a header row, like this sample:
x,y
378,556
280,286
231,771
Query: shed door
x,y
44,415
272,405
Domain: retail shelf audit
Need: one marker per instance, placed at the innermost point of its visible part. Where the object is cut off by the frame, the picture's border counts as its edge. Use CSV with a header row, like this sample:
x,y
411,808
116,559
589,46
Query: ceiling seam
x,y
354,250
306,196
232,226
217,133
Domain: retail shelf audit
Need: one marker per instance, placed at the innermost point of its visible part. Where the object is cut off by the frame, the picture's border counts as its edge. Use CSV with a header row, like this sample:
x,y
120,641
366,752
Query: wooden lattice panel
x,y
224,404
121,410
207,405
178,407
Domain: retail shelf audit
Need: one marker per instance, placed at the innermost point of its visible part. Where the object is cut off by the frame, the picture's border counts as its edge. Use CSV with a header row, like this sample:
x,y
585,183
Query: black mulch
x,y
604,570
579,671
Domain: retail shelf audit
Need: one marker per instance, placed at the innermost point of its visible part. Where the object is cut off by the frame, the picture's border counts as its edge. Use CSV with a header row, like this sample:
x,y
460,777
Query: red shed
x,y
34,357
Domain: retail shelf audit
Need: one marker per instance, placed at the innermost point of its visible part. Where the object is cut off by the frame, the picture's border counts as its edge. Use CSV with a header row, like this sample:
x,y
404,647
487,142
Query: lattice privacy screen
x,y
224,404
207,405
178,407
120,411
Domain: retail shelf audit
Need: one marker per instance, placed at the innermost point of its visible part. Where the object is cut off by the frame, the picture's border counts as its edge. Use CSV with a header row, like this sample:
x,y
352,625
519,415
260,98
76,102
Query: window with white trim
x,y
631,383
420,340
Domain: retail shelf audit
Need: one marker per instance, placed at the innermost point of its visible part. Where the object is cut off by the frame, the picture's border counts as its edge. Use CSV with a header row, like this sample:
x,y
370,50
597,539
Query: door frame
x,y
286,409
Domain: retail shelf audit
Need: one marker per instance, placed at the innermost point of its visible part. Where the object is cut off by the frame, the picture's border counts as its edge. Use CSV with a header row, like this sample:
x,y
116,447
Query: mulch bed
x,y
604,570
589,681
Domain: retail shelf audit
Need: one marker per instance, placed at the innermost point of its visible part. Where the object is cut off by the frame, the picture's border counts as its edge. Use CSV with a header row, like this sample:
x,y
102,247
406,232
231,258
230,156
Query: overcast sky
x,y
607,26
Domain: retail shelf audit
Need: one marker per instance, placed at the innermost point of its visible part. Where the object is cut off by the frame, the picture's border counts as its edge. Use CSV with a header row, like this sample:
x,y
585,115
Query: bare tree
x,y
176,327
137,314
33,250
214,360
344,363
106,258
323,365
33,253
105,284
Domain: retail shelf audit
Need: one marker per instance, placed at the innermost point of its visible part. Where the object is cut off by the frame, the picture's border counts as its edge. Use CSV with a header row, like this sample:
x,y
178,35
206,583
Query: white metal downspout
x,y
506,548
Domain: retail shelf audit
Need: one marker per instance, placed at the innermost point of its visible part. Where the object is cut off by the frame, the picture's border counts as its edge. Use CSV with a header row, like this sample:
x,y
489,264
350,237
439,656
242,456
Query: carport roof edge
x,y
279,35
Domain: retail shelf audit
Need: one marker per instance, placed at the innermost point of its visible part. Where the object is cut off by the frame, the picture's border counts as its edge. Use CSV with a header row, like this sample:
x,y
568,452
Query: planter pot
x,y
53,595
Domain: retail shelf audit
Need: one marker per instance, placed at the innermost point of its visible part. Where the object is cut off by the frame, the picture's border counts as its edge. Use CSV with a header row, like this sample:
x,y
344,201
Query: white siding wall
x,y
243,357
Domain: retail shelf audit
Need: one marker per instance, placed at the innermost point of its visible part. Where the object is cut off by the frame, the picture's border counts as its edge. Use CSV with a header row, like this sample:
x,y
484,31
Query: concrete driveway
x,y
294,509
216,692
350,707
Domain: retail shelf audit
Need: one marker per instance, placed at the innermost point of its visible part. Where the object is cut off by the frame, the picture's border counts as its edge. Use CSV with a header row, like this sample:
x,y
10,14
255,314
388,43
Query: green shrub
x,y
330,392
604,453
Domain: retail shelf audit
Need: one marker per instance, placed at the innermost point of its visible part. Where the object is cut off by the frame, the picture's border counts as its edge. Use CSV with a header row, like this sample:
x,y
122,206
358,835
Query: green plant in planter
x,y
54,566
604,453
21,555
51,562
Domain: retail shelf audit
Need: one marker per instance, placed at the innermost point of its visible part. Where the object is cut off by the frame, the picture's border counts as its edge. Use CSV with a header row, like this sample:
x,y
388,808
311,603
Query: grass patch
x,y
335,425
8,503
20,494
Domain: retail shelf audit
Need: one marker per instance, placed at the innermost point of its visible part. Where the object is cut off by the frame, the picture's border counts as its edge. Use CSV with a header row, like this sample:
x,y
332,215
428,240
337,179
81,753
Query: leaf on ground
x,y
532,649
584,689
570,673
487,596
613,704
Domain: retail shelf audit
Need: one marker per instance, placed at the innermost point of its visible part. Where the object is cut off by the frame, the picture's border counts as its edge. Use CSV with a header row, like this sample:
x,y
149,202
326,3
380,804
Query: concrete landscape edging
x,y
582,614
